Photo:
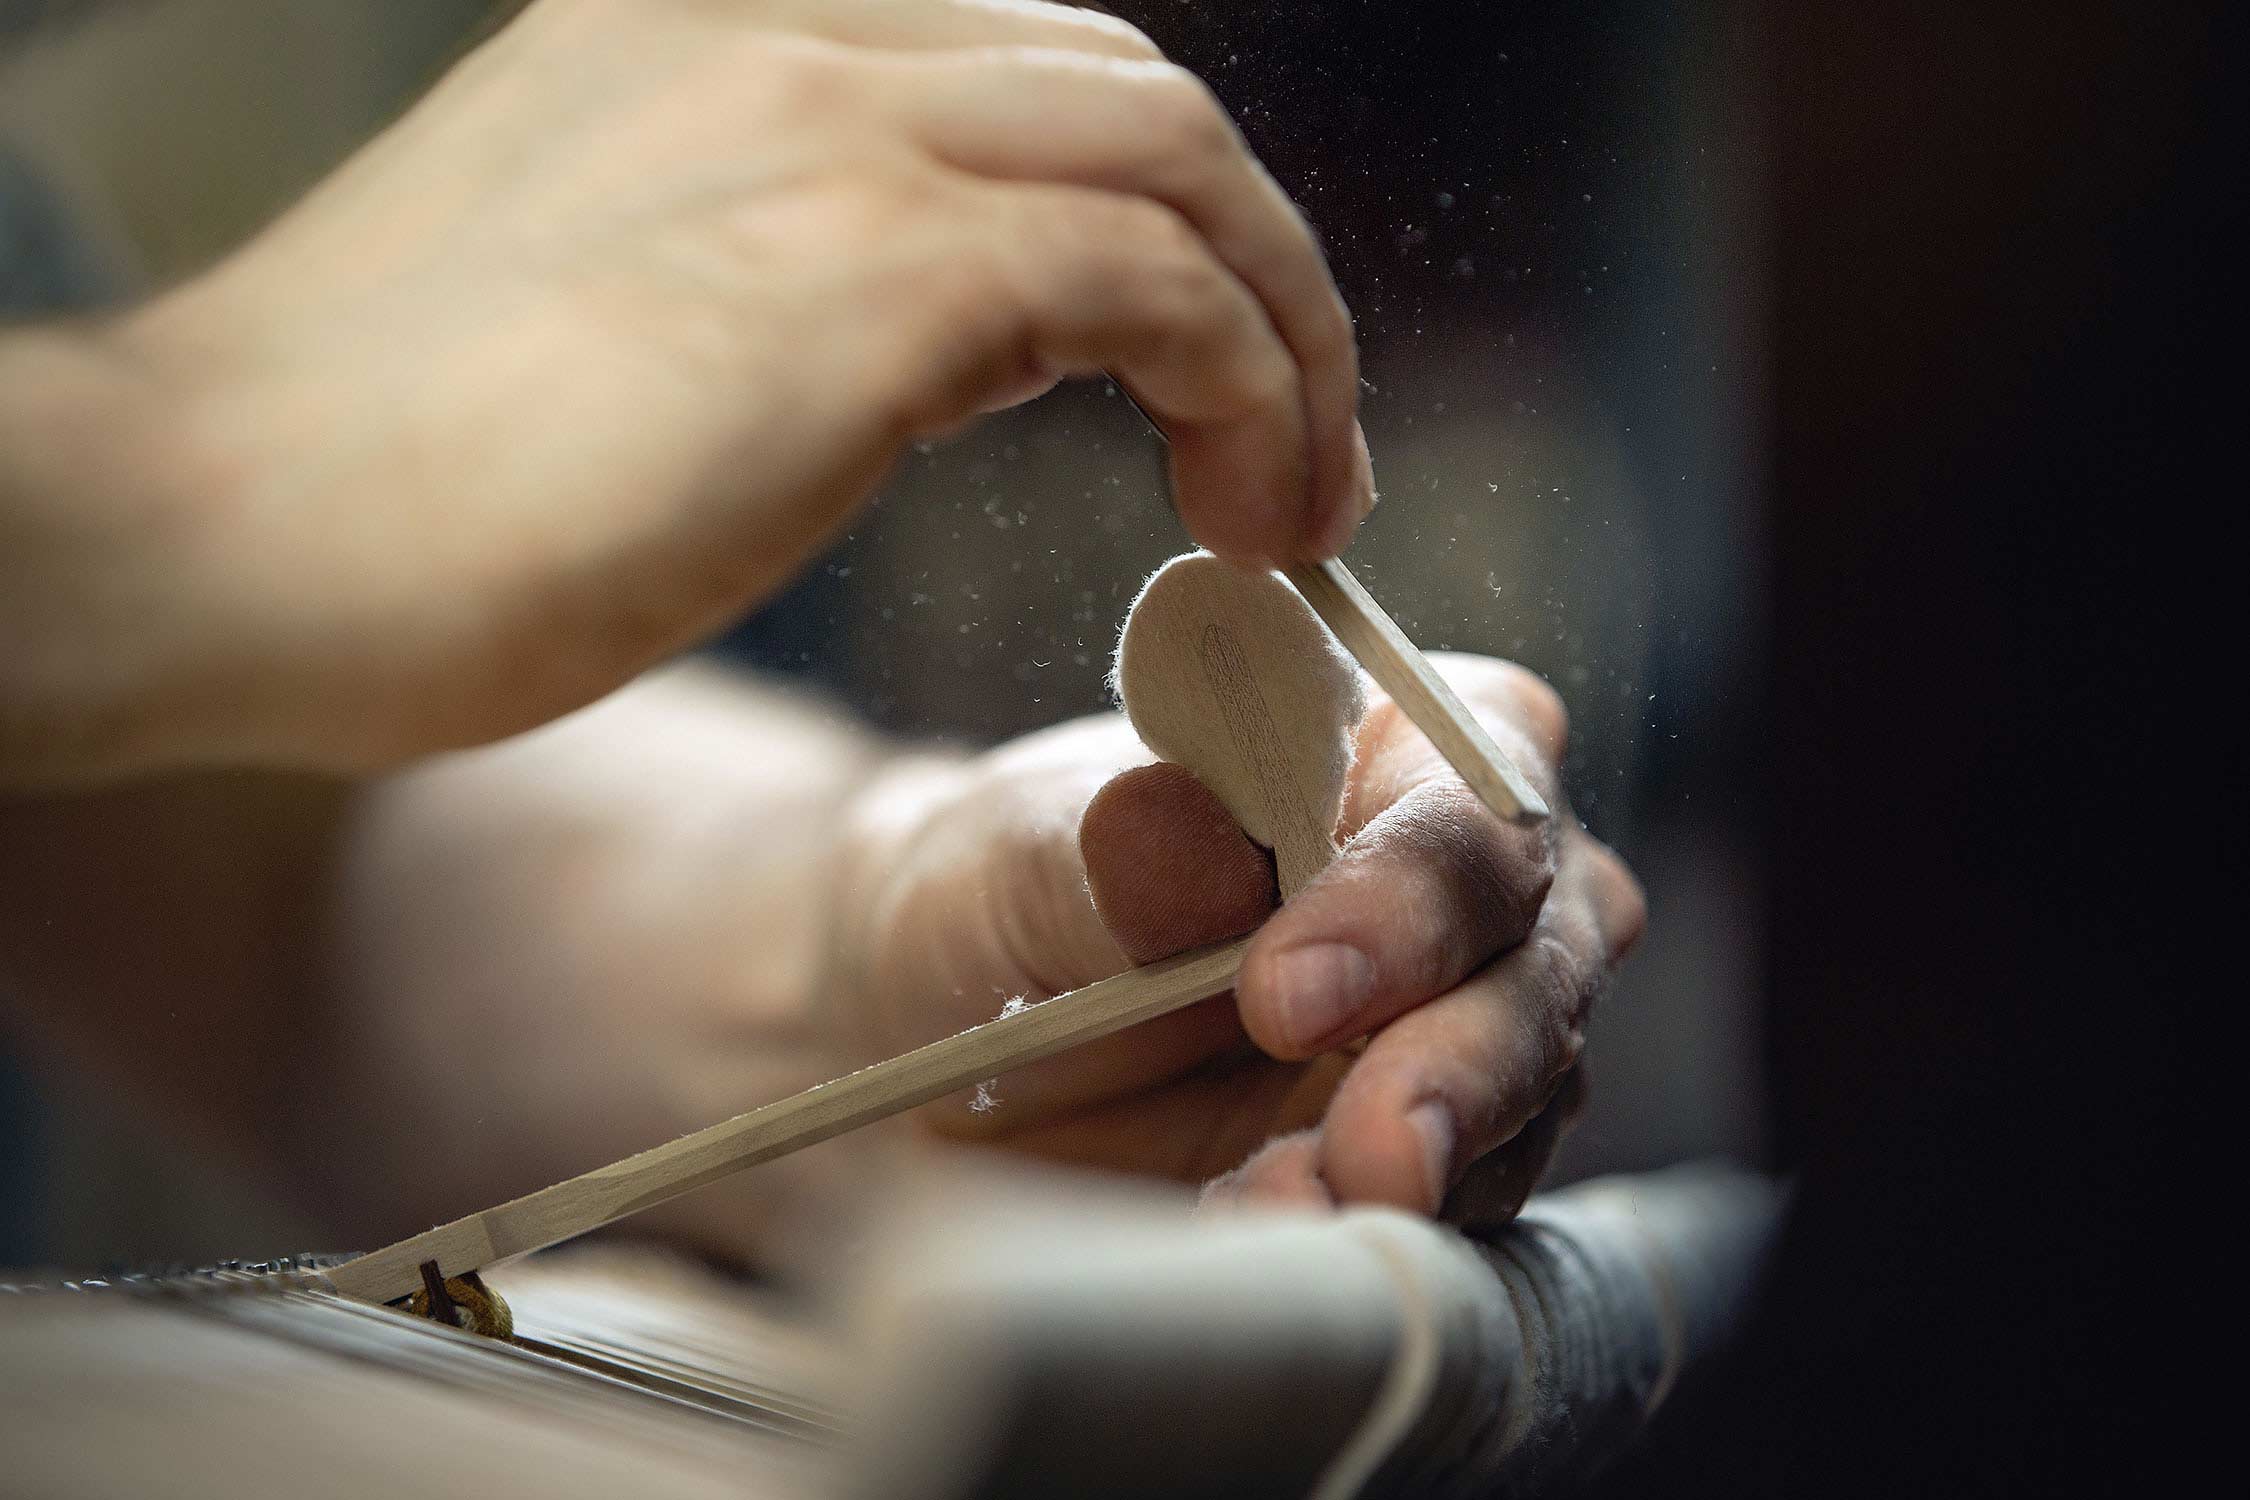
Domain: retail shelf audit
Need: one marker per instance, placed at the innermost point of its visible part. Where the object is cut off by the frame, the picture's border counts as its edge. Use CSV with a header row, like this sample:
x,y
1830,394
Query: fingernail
x,y
1323,985
1432,1125
1363,475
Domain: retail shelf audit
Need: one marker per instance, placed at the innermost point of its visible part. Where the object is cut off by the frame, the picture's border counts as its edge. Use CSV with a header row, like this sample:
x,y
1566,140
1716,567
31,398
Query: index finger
x,y
1153,130
1392,757
1430,885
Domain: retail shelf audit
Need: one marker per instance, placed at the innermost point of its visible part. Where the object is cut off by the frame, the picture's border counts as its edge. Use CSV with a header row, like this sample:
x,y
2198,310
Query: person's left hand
x,y
553,952
1416,1008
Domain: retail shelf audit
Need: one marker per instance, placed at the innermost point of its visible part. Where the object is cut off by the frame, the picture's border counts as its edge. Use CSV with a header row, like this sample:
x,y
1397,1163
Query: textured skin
x,y
1167,865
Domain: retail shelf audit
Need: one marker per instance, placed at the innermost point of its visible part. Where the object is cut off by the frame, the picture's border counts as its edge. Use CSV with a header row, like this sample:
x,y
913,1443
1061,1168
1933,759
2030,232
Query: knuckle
x,y
1267,380
1165,237
1168,262
962,293
799,77
1186,116
1496,891
875,203
1561,974
1558,1040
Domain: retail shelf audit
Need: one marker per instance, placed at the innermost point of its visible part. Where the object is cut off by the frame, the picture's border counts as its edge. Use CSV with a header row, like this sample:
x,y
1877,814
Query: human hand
x,y
703,895
599,342
1464,950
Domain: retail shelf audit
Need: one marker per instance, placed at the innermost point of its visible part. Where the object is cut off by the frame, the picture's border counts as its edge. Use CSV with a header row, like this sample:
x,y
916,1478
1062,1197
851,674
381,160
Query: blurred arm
x,y
566,370
411,996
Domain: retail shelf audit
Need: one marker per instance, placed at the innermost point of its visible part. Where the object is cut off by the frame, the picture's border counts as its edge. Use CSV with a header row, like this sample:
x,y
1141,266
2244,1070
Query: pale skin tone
x,y
576,363
601,341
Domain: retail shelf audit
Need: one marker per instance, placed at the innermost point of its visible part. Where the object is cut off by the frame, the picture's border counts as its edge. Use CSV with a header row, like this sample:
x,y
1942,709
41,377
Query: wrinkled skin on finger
x,y
1491,1190
1417,1009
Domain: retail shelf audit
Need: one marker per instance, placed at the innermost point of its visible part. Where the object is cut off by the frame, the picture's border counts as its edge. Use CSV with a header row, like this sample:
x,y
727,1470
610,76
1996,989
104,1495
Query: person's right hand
x,y
604,337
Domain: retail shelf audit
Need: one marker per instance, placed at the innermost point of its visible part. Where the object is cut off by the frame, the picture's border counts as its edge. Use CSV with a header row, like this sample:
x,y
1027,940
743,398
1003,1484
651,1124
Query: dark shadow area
x,y
2001,239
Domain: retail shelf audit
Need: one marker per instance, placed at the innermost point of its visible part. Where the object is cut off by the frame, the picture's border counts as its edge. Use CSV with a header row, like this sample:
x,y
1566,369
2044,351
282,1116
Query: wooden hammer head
x,y
1227,671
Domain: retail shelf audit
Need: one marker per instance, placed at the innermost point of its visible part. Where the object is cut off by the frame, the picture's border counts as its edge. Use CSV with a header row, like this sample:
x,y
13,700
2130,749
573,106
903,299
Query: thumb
x,y
1169,869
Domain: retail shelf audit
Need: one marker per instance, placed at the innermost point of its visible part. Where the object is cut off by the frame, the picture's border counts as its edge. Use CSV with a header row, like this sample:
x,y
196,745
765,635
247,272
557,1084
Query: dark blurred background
x,y
2005,339
1545,219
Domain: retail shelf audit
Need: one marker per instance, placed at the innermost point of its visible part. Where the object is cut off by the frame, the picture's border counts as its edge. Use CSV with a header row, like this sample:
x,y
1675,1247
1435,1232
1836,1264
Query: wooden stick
x,y
606,1194
1390,658
1304,833
1373,637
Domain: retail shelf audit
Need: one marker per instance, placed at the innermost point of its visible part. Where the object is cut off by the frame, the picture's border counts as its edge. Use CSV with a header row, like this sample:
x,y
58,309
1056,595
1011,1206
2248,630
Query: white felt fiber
x,y
1227,671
